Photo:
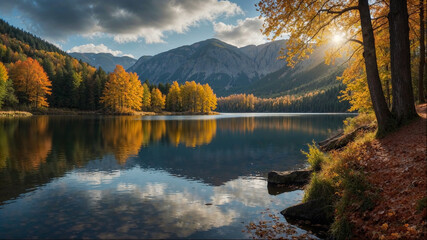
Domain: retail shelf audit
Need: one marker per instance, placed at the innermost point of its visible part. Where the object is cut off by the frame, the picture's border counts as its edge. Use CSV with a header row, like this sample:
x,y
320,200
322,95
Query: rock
x,y
289,178
276,189
312,211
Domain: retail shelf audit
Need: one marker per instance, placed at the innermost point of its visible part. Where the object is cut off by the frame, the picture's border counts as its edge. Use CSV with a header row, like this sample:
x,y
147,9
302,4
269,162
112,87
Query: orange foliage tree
x,y
123,91
31,82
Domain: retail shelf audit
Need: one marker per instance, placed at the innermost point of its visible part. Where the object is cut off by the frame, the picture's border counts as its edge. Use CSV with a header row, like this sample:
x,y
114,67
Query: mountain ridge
x,y
229,69
106,61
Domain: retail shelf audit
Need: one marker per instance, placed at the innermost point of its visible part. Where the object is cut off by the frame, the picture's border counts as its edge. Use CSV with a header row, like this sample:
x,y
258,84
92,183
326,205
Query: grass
x,y
340,181
315,157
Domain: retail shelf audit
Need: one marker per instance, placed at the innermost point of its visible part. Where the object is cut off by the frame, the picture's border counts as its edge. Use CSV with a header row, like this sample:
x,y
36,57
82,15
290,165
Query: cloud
x,y
92,48
129,55
125,20
246,32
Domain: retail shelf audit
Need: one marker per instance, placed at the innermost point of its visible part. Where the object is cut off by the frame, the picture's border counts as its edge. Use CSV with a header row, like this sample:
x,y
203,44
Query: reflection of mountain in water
x,y
37,149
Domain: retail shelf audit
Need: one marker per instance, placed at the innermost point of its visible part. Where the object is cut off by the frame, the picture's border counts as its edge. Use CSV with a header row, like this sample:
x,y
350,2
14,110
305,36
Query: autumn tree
x,y
210,101
403,98
421,66
174,98
313,23
146,97
123,91
4,77
31,82
157,100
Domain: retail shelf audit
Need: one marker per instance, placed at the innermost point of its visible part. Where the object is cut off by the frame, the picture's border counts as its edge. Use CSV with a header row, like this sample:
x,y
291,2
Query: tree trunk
x,y
421,96
403,106
379,104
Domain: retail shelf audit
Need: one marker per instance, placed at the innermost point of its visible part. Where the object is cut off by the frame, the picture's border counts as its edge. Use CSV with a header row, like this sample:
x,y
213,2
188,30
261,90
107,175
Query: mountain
x,y
229,69
104,60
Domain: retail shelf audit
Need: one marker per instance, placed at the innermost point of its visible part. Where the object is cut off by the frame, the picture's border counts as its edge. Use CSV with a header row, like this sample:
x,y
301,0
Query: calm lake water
x,y
148,177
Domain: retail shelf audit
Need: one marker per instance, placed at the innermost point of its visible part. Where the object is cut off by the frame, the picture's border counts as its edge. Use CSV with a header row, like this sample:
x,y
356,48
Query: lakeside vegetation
x,y
374,187
315,101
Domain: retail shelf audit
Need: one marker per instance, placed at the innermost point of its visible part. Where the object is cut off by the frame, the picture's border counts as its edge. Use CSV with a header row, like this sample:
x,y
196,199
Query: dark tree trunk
x,y
421,96
379,104
387,90
403,106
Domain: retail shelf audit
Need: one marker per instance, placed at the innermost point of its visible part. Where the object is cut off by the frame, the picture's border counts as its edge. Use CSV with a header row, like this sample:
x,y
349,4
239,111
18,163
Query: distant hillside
x,y
74,84
229,70
106,61
28,38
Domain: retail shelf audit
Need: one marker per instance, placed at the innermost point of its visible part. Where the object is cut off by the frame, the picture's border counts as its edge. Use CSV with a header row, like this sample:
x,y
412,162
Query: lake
x,y
148,177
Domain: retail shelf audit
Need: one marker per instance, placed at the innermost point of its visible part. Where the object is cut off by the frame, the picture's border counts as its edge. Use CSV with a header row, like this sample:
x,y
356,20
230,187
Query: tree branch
x,y
341,11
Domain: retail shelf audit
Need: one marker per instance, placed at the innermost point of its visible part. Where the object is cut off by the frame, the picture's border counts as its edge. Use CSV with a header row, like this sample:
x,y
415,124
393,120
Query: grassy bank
x,y
11,114
73,112
374,188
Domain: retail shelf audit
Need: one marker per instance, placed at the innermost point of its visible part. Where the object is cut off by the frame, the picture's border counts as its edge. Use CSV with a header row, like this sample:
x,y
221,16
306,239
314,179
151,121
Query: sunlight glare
x,y
338,38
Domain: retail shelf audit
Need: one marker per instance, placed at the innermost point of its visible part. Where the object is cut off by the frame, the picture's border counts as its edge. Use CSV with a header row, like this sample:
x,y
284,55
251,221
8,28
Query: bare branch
x,y
355,40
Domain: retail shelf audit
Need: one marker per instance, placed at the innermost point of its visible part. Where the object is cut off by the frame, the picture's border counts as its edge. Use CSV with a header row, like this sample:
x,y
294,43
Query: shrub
x,y
315,157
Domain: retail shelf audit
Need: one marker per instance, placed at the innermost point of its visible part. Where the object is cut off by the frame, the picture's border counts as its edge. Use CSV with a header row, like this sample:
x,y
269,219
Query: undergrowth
x,y
341,182
315,157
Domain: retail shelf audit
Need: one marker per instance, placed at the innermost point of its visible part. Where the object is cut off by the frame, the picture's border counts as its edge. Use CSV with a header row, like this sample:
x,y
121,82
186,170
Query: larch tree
x,y
146,97
4,77
123,91
31,82
189,96
211,100
157,100
174,99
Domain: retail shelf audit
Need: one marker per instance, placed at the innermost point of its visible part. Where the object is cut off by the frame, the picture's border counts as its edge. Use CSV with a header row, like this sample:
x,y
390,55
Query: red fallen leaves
x,y
397,167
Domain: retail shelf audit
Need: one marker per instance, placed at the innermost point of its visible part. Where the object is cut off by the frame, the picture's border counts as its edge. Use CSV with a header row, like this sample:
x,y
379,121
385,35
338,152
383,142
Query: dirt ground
x,y
397,168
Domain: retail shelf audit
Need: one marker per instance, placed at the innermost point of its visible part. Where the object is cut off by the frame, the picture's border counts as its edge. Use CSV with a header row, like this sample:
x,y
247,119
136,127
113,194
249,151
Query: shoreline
x,y
70,112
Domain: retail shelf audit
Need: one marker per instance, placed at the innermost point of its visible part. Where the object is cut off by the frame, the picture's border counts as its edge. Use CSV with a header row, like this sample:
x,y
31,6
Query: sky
x,y
135,27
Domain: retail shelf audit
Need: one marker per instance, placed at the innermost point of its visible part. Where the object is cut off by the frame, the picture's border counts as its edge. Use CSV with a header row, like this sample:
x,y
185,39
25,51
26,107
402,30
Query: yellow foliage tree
x,y
157,100
31,82
174,98
211,100
146,97
197,97
123,91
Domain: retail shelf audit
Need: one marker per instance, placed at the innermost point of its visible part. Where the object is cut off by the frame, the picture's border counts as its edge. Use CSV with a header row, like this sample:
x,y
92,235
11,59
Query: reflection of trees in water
x,y
123,136
249,124
191,133
27,143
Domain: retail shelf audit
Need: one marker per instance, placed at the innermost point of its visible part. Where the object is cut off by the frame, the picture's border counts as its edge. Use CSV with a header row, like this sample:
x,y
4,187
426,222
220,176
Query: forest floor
x,y
396,166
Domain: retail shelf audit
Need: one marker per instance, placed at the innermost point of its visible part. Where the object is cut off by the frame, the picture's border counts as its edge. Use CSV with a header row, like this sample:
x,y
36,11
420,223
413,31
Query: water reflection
x,y
125,177
152,205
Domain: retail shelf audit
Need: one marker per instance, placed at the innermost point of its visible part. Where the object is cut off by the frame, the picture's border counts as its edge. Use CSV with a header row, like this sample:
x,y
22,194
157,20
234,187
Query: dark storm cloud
x,y
126,19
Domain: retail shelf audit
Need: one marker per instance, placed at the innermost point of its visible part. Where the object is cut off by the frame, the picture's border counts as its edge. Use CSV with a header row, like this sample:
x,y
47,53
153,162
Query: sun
x,y
338,38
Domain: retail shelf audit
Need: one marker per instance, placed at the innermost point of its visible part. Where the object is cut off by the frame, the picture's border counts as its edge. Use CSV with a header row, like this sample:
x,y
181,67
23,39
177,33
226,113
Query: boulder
x,y
315,212
289,178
